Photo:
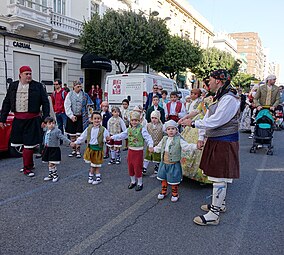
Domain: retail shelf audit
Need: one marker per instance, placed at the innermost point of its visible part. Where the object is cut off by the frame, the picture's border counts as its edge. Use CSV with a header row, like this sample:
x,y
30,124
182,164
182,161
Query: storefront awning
x,y
90,60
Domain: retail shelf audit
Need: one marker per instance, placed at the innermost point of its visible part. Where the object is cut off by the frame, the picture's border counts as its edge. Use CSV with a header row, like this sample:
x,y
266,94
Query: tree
x,y
243,80
212,59
179,55
128,38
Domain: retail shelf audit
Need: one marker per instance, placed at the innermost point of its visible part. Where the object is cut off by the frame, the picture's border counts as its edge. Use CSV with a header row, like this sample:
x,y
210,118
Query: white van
x,y
135,87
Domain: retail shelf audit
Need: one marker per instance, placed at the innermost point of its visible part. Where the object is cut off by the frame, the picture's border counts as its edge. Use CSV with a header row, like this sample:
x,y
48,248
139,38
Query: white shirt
x,y
227,108
94,135
185,146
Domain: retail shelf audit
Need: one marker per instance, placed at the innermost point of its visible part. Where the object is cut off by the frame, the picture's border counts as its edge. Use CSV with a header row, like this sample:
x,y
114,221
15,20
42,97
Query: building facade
x,y
224,42
249,45
45,35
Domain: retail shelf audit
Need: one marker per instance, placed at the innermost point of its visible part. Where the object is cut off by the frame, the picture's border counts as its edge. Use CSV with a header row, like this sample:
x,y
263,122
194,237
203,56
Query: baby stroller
x,y
263,132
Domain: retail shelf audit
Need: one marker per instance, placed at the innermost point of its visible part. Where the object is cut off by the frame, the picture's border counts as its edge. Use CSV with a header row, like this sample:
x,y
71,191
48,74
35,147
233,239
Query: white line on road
x,y
240,230
270,169
79,248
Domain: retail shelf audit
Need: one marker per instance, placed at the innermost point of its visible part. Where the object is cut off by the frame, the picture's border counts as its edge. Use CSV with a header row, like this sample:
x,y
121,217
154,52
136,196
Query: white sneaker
x,y
174,199
55,178
78,154
251,136
72,154
90,180
161,196
48,178
97,181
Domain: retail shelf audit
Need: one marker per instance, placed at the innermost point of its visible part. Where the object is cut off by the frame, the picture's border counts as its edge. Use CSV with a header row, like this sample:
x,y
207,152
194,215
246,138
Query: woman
x,y
191,159
99,96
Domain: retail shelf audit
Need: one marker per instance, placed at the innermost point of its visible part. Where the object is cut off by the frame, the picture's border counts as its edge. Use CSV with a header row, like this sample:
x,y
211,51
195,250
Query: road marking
x,y
248,208
38,189
270,169
79,248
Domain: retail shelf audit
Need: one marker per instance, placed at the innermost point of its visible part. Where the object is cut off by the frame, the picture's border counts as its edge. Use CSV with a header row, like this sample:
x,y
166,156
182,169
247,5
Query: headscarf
x,y
134,115
156,114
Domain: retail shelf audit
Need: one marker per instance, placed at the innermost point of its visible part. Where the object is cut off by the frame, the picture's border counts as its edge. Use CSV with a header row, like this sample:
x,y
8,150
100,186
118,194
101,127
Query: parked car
x,y
5,133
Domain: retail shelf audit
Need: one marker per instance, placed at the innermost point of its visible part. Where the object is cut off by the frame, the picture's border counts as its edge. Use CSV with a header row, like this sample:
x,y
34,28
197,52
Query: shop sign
x,y
22,45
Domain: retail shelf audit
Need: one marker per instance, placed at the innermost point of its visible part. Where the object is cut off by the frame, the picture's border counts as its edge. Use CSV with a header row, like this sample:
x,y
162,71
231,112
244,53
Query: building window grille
x,y
95,8
59,6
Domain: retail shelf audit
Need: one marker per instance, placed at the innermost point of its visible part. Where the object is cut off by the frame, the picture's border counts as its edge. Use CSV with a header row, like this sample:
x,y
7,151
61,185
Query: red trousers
x,y
28,158
135,163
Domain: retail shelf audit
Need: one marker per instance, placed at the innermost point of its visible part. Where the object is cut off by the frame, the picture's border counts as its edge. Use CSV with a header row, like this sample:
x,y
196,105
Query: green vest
x,y
100,138
174,149
135,138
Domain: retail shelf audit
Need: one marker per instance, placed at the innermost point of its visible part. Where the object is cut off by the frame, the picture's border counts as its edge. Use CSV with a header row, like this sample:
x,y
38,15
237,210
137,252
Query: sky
x,y
261,16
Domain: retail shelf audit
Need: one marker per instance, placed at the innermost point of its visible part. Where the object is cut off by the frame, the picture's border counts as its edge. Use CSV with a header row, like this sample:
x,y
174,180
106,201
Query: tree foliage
x,y
243,80
126,37
212,59
180,55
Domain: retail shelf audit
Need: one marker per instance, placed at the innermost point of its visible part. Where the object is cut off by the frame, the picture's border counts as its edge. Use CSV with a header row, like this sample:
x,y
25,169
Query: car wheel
x,y
15,152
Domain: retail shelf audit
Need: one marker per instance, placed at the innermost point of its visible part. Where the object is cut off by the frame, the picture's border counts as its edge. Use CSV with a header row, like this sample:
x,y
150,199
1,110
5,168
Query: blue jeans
x,y
61,119
98,102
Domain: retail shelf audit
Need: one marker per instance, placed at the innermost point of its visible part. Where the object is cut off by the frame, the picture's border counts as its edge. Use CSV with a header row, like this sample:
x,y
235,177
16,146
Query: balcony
x,y
30,13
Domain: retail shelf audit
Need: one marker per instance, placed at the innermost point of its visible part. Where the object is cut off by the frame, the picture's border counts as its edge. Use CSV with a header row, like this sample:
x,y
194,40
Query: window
x,y
59,6
95,8
60,70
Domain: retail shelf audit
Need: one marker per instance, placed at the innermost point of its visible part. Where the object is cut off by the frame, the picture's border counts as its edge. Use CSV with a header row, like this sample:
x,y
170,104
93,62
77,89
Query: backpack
x,y
62,94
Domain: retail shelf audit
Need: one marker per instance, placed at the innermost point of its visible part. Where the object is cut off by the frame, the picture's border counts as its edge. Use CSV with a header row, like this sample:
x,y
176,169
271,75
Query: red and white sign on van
x,y
116,87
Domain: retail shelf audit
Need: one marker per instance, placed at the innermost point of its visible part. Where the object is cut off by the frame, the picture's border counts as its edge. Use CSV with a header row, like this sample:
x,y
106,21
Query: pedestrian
x,y
51,152
92,95
220,158
155,92
155,129
95,135
58,97
175,108
125,114
25,98
65,87
268,95
164,100
99,96
195,100
136,135
155,107
77,105
106,115
170,148
115,125
139,109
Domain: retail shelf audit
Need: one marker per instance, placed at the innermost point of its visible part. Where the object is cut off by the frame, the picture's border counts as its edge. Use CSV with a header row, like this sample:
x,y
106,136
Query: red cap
x,y
25,69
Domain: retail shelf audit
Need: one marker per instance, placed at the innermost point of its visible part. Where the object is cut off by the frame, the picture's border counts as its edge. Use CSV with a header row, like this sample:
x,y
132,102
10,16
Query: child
x,y
106,115
95,135
163,101
115,125
155,106
175,108
136,135
170,171
126,118
155,129
143,120
195,100
51,151
187,103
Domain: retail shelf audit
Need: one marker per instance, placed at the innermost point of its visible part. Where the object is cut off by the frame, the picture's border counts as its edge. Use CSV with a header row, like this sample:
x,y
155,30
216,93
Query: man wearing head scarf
x,y
268,95
25,98
220,158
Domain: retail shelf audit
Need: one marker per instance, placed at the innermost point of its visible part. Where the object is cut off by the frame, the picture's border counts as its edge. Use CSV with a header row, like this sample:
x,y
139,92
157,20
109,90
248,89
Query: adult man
x,y
267,95
155,107
25,98
66,88
58,98
220,158
76,106
150,96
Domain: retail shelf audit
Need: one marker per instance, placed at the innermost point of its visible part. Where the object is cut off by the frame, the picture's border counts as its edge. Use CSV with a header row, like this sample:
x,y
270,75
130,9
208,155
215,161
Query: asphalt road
x,y
74,217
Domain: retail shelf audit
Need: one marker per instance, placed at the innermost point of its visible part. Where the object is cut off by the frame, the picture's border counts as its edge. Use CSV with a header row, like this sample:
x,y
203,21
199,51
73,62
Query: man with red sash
x,y
25,98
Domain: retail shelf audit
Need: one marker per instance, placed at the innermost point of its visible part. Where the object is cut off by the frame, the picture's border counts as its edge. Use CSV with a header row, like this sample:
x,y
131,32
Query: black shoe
x,y
106,156
125,149
139,187
131,185
144,171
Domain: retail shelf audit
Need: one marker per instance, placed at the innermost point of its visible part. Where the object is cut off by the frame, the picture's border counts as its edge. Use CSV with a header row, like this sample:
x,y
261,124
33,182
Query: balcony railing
x,y
65,24
37,11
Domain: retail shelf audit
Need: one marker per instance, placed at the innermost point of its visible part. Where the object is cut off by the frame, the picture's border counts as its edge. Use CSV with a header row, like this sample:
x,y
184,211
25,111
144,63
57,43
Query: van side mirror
x,y
129,98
